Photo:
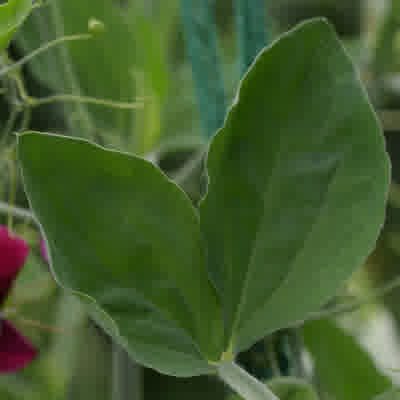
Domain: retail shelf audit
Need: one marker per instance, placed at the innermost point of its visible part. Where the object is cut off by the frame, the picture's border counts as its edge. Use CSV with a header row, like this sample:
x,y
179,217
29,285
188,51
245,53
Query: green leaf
x,y
344,369
298,180
123,234
12,15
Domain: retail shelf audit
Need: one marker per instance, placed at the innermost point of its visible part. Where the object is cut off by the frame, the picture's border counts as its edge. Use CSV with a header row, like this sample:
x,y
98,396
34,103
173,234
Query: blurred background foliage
x,y
179,62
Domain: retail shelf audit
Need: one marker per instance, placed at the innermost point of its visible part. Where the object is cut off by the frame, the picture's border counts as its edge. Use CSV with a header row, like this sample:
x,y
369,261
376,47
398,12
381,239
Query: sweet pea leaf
x,y
298,179
12,15
344,369
128,238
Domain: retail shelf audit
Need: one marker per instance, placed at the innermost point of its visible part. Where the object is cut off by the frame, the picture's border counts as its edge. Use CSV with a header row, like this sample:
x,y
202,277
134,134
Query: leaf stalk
x,y
243,383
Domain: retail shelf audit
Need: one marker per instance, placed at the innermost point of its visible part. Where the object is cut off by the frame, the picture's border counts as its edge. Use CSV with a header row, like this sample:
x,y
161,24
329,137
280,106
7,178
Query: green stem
x,y
12,186
43,49
125,376
117,390
201,42
35,102
9,209
251,28
244,384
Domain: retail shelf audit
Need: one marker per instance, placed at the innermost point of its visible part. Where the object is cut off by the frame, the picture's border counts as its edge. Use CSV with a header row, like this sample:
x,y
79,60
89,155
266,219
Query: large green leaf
x,y
298,179
119,231
344,369
12,14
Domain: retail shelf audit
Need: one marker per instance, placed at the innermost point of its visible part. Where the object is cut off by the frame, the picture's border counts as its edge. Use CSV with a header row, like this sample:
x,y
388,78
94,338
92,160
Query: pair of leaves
x,y
12,15
296,197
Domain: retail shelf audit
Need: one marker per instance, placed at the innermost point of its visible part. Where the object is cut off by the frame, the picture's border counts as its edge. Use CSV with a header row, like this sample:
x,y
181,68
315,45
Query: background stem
x,y
252,29
116,373
201,43
126,376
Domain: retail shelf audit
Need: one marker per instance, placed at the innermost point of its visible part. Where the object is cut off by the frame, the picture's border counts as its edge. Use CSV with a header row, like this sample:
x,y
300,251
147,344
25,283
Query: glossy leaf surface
x,y
298,179
344,369
12,14
120,232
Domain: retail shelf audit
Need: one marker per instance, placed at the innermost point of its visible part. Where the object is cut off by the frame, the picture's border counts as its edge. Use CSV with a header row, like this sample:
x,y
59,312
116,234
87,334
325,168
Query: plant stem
x,y
12,186
244,384
201,41
252,30
125,376
6,208
42,49
84,99
117,390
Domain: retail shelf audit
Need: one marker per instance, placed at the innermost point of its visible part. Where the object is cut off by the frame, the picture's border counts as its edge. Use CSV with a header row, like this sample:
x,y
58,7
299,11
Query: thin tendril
x,y
42,49
35,102
18,212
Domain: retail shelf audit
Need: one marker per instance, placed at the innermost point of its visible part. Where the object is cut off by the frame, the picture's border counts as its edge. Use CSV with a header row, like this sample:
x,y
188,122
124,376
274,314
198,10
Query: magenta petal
x,y
15,351
13,253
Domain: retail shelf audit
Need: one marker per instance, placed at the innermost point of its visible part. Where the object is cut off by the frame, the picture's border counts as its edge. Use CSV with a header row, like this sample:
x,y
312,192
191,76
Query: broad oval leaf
x,y
120,232
12,15
298,179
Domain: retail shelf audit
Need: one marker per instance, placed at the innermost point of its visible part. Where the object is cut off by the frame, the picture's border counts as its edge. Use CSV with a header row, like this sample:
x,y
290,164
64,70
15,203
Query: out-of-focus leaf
x,y
102,66
344,369
137,66
12,15
298,180
119,231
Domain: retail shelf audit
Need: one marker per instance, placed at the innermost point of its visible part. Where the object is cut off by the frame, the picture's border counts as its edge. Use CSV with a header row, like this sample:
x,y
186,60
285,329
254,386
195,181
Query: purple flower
x,y
15,351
